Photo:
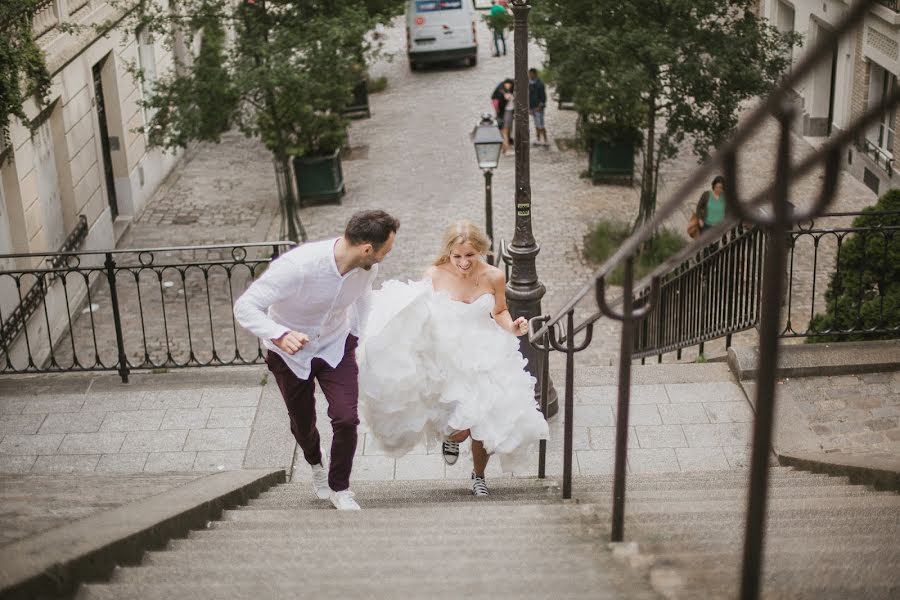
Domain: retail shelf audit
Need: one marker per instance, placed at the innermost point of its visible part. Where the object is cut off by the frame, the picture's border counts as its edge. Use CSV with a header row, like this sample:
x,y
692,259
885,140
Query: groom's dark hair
x,y
371,227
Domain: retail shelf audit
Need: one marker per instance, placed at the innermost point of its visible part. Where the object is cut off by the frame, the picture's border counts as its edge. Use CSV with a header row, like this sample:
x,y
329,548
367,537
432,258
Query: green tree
x,y
284,79
864,291
23,72
669,69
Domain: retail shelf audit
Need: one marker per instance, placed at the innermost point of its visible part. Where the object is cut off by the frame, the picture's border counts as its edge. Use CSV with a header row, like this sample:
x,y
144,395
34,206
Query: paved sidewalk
x,y
683,418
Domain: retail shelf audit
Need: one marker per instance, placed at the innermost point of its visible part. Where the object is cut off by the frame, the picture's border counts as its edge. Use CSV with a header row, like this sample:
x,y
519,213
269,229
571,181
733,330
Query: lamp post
x,y
488,142
523,290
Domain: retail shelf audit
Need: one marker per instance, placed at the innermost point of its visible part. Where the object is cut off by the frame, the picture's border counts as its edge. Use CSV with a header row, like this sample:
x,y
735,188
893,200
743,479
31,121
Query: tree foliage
x,y
671,69
23,72
864,291
281,71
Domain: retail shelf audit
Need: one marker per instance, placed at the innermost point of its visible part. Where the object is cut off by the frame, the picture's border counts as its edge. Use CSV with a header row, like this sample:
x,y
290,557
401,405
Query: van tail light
x,y
474,34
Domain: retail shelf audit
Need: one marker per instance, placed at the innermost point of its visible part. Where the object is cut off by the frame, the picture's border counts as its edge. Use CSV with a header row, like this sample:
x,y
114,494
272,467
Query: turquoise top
x,y
497,9
715,209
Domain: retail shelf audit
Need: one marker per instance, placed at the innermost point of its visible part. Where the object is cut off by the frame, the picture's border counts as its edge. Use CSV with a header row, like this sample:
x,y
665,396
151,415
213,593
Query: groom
x,y
309,308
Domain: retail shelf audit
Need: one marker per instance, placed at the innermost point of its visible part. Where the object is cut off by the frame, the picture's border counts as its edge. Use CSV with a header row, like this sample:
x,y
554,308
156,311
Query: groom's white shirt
x,y
303,291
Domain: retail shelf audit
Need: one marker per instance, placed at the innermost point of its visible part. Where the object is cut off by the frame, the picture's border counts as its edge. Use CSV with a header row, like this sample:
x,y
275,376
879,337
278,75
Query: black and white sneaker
x,y
450,452
479,487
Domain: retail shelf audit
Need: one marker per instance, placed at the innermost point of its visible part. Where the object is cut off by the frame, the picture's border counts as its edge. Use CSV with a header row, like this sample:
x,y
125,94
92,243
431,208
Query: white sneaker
x,y
343,500
320,482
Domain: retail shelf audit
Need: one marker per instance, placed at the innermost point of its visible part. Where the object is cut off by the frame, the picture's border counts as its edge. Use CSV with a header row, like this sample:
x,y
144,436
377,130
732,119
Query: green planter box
x,y
612,162
319,178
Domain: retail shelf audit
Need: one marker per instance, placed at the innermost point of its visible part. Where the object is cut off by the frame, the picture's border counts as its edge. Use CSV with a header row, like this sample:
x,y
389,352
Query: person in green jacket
x,y
498,20
711,207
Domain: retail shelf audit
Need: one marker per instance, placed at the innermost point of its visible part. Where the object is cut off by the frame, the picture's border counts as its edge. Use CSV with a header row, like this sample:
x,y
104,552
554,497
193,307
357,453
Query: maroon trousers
x,y
341,387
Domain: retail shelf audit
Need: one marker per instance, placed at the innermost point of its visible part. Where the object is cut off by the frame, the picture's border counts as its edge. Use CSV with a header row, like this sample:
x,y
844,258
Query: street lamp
x,y
523,290
488,142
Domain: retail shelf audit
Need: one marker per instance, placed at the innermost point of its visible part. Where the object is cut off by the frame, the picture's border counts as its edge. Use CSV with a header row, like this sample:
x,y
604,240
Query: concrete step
x,y
482,583
792,542
383,568
646,374
777,558
304,499
879,503
365,548
251,538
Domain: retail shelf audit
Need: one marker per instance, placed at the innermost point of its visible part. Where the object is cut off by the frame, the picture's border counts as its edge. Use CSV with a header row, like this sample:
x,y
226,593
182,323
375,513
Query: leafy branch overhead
x,y
23,72
671,70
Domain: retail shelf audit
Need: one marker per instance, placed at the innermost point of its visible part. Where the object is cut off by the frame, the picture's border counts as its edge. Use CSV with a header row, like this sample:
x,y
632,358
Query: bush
x,y
607,236
864,292
379,84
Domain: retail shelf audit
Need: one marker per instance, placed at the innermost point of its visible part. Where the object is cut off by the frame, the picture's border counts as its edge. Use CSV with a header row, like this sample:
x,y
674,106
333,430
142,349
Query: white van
x,y
441,30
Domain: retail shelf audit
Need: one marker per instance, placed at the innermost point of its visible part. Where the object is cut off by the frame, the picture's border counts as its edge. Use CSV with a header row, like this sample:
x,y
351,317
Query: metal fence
x,y
717,293
122,310
713,295
771,212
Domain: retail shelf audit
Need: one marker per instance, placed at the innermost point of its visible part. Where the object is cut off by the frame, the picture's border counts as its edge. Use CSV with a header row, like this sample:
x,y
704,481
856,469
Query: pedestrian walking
x,y
498,20
309,308
503,101
537,101
711,207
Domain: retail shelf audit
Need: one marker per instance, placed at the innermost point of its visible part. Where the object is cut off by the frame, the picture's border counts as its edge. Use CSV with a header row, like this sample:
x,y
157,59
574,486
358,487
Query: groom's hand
x,y
291,342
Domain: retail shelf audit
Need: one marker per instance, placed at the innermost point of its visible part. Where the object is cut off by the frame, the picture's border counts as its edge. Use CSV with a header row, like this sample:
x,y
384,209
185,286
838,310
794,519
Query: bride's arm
x,y
501,311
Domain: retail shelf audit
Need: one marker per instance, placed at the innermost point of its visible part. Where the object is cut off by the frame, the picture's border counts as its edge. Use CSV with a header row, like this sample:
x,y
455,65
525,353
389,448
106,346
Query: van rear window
x,y
436,5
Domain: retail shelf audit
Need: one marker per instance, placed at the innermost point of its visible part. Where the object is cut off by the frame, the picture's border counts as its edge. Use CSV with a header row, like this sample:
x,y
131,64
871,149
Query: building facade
x,y
81,153
78,171
863,69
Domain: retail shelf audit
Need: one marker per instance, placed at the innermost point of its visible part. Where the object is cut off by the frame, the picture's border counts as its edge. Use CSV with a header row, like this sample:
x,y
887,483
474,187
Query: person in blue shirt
x,y
537,101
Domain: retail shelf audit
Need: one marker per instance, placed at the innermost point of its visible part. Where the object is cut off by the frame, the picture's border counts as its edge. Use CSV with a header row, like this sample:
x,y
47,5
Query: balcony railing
x,y
894,5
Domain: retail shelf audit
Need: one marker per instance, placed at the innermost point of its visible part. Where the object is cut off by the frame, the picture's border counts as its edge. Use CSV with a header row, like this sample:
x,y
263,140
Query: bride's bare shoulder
x,y
494,274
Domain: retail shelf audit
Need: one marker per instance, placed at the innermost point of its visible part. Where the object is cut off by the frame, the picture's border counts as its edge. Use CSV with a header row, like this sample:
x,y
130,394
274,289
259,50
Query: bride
x,y
440,361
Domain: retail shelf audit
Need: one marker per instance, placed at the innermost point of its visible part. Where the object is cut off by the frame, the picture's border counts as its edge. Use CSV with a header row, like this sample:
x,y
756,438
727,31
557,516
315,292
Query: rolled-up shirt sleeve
x,y
281,280
363,304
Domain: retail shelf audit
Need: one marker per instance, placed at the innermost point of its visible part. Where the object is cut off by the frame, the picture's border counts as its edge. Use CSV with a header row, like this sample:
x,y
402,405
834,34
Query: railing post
x,y
569,405
110,265
622,405
545,393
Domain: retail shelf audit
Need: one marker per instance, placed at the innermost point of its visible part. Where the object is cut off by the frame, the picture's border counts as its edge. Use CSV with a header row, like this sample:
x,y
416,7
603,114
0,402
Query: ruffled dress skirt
x,y
430,366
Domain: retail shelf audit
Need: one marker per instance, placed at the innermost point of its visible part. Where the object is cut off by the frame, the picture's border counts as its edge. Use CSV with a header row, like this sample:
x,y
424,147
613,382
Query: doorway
x,y
104,140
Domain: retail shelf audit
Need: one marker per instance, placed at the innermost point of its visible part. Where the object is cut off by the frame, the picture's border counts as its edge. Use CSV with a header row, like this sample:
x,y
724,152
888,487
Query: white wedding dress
x,y
430,365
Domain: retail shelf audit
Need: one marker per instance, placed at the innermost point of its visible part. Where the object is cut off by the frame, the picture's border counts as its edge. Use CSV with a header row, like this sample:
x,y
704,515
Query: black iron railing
x,y
770,211
715,294
124,310
855,297
894,5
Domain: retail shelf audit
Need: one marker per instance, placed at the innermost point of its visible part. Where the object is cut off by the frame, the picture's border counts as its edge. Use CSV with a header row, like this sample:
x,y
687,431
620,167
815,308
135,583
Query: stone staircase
x,y
417,539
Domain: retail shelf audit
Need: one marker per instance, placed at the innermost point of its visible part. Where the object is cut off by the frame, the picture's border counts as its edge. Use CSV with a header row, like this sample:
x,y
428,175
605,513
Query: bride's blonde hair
x,y
460,233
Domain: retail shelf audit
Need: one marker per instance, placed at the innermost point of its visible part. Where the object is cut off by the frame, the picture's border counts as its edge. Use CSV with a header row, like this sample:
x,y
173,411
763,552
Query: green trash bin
x,y
612,162
320,179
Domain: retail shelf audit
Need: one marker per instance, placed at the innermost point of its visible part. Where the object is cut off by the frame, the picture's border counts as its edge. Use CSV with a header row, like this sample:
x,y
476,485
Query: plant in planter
x,y
611,148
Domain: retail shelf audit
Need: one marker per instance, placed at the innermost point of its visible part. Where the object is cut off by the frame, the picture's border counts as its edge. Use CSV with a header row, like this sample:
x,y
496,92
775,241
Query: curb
x,y
880,470
817,360
55,562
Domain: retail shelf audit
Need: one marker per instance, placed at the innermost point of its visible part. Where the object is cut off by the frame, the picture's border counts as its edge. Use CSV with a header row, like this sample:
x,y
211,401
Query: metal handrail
x,y
769,210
